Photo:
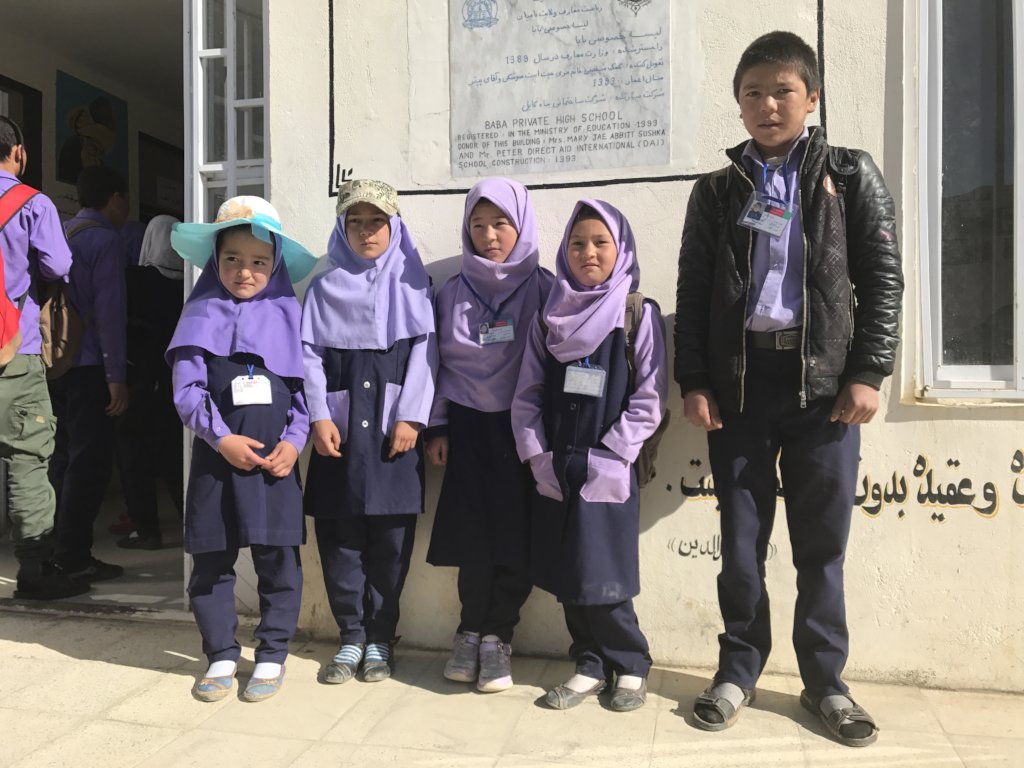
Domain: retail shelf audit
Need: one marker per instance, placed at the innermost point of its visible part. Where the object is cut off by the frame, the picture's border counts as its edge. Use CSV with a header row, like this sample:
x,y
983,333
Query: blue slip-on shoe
x,y
261,688
213,688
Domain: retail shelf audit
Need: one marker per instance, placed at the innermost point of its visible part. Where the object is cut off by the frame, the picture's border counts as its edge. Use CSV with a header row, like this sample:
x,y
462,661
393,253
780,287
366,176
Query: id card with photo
x,y
585,381
500,330
765,214
251,390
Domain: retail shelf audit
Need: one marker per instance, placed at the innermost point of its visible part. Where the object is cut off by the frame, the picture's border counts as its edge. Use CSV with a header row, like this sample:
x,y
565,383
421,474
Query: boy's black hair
x,y
10,136
784,49
97,184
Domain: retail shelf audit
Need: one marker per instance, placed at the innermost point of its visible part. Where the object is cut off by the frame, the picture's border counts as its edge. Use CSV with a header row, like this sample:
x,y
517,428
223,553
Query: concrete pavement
x,y
100,691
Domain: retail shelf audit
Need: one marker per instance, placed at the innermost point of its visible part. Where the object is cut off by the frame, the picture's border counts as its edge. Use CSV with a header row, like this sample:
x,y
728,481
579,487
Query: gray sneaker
x,y
464,664
495,667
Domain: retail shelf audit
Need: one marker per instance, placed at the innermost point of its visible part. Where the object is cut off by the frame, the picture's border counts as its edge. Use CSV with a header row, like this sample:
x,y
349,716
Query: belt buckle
x,y
787,339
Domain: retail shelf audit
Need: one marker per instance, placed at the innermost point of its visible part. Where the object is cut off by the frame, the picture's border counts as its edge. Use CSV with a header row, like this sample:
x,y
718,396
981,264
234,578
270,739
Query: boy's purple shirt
x,y
777,267
96,287
471,374
34,248
579,318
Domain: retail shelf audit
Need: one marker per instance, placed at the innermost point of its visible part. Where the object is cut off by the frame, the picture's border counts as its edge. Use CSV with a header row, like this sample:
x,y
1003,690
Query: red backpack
x,y
11,202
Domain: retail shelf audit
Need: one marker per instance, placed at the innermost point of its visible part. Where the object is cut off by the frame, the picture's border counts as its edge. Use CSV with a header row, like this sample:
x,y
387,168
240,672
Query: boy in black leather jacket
x,y
787,321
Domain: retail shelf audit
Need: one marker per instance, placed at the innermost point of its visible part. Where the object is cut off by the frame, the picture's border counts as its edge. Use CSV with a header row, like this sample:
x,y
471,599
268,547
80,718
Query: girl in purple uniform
x,y
580,416
236,359
370,356
483,318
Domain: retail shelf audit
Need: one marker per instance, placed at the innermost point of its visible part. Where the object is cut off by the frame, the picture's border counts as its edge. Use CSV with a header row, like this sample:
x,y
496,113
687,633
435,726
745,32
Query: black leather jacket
x,y
853,279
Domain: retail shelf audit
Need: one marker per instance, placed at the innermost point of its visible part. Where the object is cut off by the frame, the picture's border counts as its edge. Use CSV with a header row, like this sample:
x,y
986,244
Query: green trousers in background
x,y
27,428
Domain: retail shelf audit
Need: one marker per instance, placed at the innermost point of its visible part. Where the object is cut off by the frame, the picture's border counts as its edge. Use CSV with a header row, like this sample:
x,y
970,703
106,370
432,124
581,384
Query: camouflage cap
x,y
376,193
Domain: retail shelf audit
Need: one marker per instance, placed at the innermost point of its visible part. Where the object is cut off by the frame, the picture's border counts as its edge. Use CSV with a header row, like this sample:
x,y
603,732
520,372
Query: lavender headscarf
x,y
484,377
579,318
368,303
266,325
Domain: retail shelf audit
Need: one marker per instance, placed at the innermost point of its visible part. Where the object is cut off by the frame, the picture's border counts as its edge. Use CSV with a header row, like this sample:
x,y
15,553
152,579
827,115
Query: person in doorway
x,y
582,410
148,436
88,397
786,325
482,520
33,248
237,370
370,360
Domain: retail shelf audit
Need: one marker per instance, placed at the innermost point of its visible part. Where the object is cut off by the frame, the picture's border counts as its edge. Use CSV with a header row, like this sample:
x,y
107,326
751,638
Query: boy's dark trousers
x,y
818,465
82,459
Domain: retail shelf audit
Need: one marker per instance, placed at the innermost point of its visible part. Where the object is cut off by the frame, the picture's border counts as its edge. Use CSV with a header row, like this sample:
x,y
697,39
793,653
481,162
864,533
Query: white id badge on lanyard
x,y
251,390
500,330
765,214
585,380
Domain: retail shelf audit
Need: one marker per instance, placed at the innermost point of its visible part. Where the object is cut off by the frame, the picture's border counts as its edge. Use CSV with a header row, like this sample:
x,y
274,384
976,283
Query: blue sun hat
x,y
196,242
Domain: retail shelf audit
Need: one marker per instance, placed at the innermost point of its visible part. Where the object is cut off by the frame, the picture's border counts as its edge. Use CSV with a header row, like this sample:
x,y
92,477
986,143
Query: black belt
x,y
787,339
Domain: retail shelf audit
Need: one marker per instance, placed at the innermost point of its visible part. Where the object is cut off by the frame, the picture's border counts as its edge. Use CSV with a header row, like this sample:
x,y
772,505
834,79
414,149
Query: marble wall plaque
x,y
558,85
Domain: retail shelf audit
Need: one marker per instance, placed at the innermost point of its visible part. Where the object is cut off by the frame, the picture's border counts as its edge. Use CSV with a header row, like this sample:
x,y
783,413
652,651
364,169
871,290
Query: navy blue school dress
x,y
228,507
483,513
363,387
583,552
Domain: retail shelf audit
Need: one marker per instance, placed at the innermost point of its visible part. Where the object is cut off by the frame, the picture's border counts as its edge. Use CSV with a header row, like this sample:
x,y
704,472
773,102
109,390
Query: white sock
x,y
472,634
581,683
629,682
490,639
266,670
730,692
221,669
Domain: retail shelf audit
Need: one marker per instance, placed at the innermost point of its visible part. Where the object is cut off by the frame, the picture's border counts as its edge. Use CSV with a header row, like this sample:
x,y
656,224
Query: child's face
x,y
368,230
592,252
245,263
493,235
774,104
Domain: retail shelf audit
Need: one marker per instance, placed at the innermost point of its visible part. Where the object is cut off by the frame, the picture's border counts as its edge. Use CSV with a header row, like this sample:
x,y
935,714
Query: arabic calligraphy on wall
x,y
940,490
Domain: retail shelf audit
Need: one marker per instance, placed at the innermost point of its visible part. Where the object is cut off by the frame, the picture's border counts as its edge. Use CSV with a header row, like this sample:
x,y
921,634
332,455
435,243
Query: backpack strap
x,y
13,200
80,226
842,164
634,311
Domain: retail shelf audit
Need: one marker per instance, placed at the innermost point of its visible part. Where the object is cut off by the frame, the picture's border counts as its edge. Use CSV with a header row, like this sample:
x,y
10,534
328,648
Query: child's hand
x,y
403,437
281,460
238,451
118,398
327,438
701,409
856,403
437,450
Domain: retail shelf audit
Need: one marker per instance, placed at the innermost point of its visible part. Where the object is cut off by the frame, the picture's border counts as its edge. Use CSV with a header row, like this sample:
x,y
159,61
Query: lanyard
x,y
249,368
787,200
585,362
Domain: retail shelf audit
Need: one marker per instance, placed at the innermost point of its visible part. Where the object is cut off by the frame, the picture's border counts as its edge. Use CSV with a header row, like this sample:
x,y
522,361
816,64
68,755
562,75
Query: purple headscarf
x,y
579,318
484,377
368,303
266,325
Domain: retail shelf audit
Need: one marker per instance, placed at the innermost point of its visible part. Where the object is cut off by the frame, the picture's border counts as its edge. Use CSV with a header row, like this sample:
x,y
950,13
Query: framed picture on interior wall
x,y
161,178
92,128
24,105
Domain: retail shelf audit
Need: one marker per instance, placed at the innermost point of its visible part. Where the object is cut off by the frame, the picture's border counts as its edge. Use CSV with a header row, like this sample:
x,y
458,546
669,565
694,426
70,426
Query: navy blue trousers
x,y
491,597
82,459
365,560
818,462
211,590
607,639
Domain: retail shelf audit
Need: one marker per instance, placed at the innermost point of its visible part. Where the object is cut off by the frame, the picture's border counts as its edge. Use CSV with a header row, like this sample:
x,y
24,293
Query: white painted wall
x,y
929,602
30,58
